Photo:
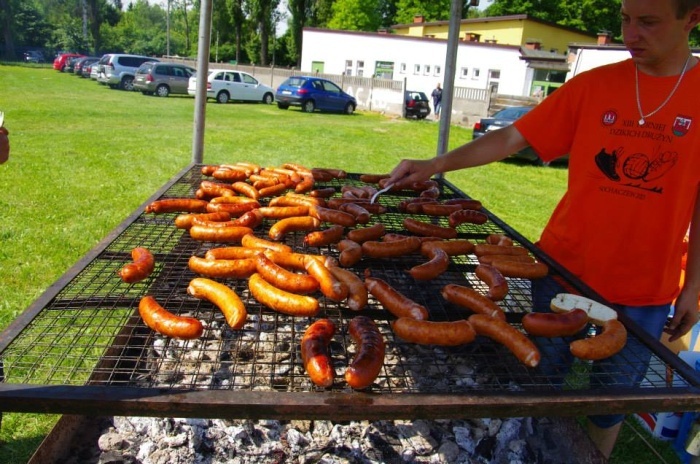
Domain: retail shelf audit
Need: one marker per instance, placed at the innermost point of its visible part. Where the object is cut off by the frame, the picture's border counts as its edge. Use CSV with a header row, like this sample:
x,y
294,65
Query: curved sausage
x,y
306,184
360,213
234,209
488,259
350,253
365,234
357,292
252,241
219,234
498,285
141,267
326,192
482,249
244,188
324,237
471,216
522,270
437,264
464,203
394,301
293,224
279,212
608,343
222,268
332,215
282,278
439,209
451,247
331,287
177,205
164,322
448,333
185,221
272,190
252,219
431,230
223,297
555,324
472,300
502,332
232,252
369,355
393,249
281,301
499,239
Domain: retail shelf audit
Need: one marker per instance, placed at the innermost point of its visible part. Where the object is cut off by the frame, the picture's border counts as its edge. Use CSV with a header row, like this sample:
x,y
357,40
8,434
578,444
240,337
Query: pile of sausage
x,y
241,196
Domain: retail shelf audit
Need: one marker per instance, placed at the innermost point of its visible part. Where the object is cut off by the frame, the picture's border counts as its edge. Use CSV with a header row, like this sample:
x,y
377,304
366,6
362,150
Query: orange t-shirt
x,y
631,189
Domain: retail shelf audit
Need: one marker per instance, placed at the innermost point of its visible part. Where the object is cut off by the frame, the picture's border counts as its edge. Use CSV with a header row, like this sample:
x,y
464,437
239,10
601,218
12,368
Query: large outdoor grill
x,y
82,347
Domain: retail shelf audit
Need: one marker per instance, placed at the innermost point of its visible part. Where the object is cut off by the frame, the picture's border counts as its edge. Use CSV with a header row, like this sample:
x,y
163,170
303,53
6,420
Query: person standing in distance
x,y
632,132
437,100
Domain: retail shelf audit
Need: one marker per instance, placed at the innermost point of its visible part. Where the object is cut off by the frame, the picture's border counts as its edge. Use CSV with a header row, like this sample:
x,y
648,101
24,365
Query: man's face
x,y
651,31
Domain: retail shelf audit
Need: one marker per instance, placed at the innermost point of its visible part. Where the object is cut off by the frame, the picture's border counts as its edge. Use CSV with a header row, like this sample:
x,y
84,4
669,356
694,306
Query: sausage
x,y
252,241
472,300
465,203
185,221
498,285
354,191
392,237
365,234
306,184
208,169
282,278
207,223
445,333
301,223
373,178
164,322
212,190
232,252
177,205
235,200
252,219
555,324
394,301
234,209
357,292
279,212
141,267
608,343
432,230
350,253
502,332
280,300
488,259
306,199
223,297
437,264
335,173
326,192
451,247
471,216
522,270
331,215
438,209
360,213
369,355
244,188
403,204
290,260
331,287
431,192
228,174
324,237
272,190
499,239
222,268
481,249
219,234
375,249
416,207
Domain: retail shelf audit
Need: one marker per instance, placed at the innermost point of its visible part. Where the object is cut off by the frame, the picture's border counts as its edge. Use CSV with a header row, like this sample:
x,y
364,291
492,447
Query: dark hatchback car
x,y
314,93
416,105
504,118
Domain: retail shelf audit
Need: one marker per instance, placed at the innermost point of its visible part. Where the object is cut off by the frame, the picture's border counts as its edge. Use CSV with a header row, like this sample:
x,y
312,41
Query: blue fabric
x,y
616,370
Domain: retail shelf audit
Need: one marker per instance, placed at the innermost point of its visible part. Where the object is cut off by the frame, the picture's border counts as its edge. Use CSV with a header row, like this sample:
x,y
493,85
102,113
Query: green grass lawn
x,y
84,157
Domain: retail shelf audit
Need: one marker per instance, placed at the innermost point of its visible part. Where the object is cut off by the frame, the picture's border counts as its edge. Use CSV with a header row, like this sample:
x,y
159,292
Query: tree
x,y
431,10
356,15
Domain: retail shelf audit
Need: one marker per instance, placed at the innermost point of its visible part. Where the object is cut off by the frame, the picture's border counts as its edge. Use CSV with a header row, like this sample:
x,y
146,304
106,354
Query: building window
x,y
416,69
360,68
475,73
426,70
437,70
463,73
402,68
494,74
348,67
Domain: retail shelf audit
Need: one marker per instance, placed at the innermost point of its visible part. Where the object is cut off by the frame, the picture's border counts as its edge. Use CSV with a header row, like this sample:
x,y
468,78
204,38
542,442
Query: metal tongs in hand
x,y
379,192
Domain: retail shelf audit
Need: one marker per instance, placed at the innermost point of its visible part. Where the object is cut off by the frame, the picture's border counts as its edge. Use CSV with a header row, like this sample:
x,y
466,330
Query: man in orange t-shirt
x,y
634,172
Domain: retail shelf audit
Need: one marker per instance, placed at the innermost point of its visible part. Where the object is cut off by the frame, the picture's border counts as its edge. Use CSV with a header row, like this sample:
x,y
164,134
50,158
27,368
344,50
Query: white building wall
x,y
589,58
420,61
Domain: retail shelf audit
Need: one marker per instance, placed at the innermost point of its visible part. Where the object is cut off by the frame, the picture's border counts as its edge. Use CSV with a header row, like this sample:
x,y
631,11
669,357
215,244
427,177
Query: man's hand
x,y
685,315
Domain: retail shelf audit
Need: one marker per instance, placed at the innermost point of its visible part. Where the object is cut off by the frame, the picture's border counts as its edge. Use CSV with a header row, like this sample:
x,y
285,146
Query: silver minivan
x,y
117,70
162,79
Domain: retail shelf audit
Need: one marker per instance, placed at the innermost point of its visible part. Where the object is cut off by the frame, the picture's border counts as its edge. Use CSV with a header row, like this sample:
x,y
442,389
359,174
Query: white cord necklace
x,y
642,116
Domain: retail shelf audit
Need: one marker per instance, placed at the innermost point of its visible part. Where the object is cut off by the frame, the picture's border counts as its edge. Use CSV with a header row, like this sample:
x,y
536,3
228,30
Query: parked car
x,y
118,70
504,118
59,63
416,105
83,66
226,84
312,93
34,56
163,79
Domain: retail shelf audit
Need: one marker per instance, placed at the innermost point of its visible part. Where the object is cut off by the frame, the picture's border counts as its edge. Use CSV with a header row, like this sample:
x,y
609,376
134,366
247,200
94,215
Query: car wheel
x,y
127,83
268,99
349,109
162,90
308,106
222,97
282,106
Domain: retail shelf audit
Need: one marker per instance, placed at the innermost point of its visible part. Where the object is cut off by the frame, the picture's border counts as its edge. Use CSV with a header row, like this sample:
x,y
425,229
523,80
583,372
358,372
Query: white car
x,y
225,84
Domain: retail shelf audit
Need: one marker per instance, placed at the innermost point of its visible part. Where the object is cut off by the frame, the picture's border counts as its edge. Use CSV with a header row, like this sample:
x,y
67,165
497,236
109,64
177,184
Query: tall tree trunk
x,y
6,17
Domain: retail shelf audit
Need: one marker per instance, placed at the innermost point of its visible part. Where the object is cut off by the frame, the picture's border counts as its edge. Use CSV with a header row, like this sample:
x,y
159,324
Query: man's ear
x,y
693,19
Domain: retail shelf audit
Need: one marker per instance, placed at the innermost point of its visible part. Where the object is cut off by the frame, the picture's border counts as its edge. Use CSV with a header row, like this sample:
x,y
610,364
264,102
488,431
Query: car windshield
x,y
416,96
511,113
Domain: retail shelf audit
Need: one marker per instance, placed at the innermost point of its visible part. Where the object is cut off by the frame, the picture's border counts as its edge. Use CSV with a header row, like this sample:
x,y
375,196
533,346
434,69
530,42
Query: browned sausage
x,y
608,343
164,322
447,333
223,297
357,292
367,233
284,279
393,249
498,285
394,301
555,324
436,265
430,230
369,355
350,253
472,300
141,267
281,301
177,205
502,332
222,268
324,237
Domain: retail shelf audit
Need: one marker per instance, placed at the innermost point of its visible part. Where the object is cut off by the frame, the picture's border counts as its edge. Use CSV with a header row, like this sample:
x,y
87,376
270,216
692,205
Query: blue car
x,y
314,93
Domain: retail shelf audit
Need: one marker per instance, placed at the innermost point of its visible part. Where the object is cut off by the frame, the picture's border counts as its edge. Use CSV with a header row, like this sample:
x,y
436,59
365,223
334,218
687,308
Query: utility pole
x,y
167,32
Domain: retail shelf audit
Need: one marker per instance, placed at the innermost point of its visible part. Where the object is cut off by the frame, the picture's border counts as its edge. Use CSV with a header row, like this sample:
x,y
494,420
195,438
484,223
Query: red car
x,y
60,62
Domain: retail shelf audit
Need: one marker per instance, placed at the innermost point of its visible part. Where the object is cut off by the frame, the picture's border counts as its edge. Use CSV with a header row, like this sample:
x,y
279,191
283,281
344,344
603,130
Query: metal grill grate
x,y
90,331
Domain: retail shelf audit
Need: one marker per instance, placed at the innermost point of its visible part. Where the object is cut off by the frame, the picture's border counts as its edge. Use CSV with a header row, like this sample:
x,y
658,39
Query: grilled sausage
x,y
284,279
393,249
141,267
222,268
608,343
281,301
365,234
437,264
369,355
555,324
177,205
350,253
293,224
448,333
430,230
472,300
502,332
498,285
324,237
394,301
223,297
357,292
219,234
164,322
467,215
